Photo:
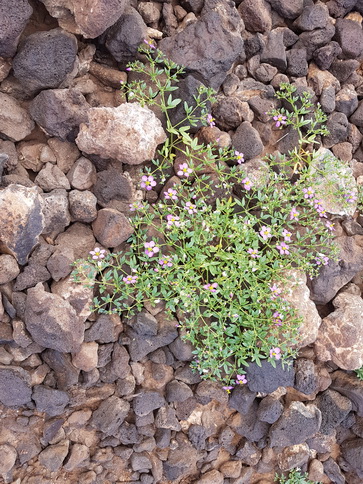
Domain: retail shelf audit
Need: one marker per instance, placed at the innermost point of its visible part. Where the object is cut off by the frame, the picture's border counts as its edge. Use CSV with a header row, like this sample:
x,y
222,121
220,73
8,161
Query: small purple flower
x,y
322,260
276,291
150,248
280,120
351,197
277,317
253,253
190,208
247,184
317,203
286,235
228,389
239,157
329,226
170,194
172,220
136,206
150,44
128,69
308,192
321,211
165,261
265,232
130,279
147,182
211,287
241,380
283,248
97,253
294,214
275,353
210,120
184,170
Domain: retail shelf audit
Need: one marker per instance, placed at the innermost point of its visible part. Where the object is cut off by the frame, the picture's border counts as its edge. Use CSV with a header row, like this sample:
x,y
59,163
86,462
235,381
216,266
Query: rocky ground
x,y
86,398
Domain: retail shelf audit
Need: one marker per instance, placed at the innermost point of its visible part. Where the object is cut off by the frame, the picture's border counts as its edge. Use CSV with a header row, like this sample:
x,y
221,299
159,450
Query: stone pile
x,y
95,399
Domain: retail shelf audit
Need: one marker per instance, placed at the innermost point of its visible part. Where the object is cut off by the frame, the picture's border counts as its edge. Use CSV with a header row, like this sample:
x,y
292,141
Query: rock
x,y
82,205
211,477
248,453
45,59
248,425
228,112
51,178
66,153
109,415
313,17
293,457
59,112
297,423
15,122
177,391
49,400
52,457
340,336
105,329
346,100
31,275
65,373
146,402
306,376
125,36
82,175
270,409
78,457
349,35
79,238
320,80
8,457
78,18
256,15
9,268
246,140
21,221
215,37
231,468
352,453
52,322
56,211
242,399
182,349
342,69
357,116
341,180
128,133
14,386
274,52
181,460
351,387
334,408
297,65
266,378
166,419
287,8
324,56
87,358
112,185
13,19
111,227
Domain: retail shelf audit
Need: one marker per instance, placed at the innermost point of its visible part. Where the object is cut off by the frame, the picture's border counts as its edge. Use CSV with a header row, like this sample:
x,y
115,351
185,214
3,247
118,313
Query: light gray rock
x,y
55,211
21,221
8,457
128,133
15,122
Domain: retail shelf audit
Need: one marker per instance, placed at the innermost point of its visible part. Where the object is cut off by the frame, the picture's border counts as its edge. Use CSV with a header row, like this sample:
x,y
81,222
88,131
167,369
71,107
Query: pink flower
x,y
275,353
280,120
147,182
239,157
247,184
308,192
329,226
130,279
265,232
184,170
97,253
210,120
276,291
294,214
170,194
150,44
165,261
150,248
228,389
173,220
253,253
286,235
190,208
322,259
277,317
351,197
283,248
241,380
136,206
211,287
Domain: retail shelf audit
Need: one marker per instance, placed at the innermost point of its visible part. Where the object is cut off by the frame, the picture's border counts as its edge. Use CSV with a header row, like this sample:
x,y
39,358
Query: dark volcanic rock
x,y
49,400
334,408
146,402
45,59
246,140
351,387
267,379
14,386
209,46
349,35
13,18
352,452
109,415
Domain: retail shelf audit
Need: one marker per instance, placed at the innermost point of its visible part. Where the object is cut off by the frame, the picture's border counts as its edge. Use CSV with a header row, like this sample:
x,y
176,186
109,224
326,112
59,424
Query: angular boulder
x,y
52,321
14,386
13,18
21,221
128,133
15,122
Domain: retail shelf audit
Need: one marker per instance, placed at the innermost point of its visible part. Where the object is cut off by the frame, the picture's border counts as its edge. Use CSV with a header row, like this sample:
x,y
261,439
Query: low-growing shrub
x,y
218,245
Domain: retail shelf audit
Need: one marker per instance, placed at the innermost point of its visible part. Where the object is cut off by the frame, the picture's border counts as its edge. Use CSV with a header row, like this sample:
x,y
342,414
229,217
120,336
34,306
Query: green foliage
x,y
359,373
220,245
295,477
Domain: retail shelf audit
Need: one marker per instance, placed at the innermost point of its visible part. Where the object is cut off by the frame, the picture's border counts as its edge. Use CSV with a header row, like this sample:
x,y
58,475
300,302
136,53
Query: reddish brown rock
x,y
111,227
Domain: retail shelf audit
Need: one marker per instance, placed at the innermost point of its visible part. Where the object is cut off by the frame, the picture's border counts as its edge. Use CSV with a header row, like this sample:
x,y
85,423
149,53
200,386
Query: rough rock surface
x,y
128,133
13,19
15,122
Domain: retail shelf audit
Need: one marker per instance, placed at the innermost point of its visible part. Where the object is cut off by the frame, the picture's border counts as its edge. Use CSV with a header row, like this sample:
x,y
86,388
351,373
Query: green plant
x,y
217,247
295,477
359,373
